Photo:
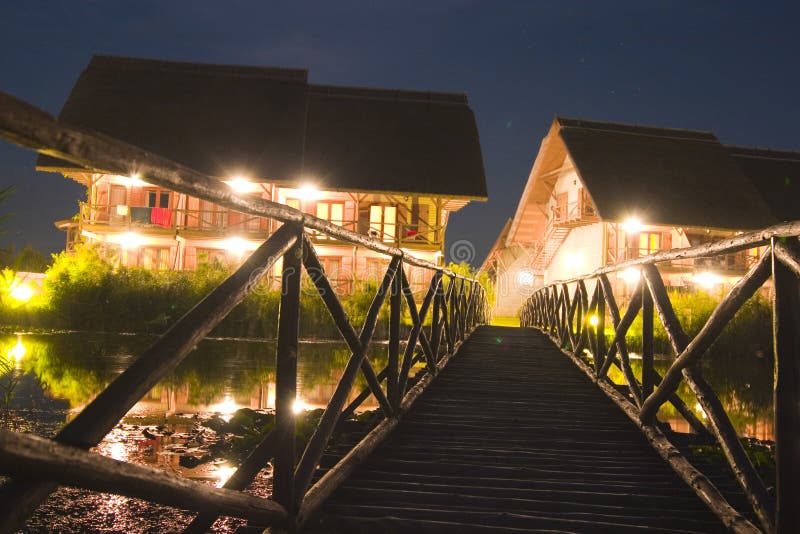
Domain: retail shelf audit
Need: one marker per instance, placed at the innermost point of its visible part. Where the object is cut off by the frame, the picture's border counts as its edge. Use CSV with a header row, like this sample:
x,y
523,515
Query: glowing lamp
x,y
242,185
135,181
706,279
22,293
632,225
237,245
594,321
308,192
299,406
630,275
131,240
226,408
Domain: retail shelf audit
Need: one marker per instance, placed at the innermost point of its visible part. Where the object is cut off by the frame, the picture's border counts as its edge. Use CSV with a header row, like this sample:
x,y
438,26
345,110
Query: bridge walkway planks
x,y
512,437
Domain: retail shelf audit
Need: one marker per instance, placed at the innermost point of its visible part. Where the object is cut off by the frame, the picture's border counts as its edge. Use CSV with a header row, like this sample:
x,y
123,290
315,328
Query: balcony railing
x,y
225,221
576,213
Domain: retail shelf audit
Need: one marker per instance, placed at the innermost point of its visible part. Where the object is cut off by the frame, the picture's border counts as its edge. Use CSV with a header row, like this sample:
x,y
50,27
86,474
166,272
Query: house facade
x,y
385,163
602,193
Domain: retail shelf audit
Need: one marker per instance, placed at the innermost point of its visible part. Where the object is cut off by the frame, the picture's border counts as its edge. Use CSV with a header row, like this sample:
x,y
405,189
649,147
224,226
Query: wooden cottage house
x,y
391,164
600,193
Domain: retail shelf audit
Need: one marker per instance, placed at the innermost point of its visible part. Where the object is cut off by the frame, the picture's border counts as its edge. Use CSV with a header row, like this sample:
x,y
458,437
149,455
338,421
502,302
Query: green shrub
x,y
84,291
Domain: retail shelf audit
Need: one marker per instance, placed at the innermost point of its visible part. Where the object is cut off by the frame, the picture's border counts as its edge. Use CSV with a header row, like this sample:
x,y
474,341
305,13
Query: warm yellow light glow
x,y
223,472
22,292
241,184
299,406
129,240
632,225
630,275
237,245
135,181
574,261
525,278
706,280
226,408
594,320
18,351
308,192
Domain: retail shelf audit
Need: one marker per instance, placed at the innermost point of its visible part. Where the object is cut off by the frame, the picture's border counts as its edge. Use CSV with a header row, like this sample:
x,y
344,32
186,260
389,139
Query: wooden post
x,y
286,378
600,356
32,457
393,365
647,342
786,331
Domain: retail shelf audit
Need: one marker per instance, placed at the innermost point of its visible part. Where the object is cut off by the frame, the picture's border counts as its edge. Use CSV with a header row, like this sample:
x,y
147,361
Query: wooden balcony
x,y
574,214
221,223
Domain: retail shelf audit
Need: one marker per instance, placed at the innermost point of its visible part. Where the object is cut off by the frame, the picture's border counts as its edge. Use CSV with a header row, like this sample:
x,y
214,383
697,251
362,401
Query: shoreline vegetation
x,y
84,292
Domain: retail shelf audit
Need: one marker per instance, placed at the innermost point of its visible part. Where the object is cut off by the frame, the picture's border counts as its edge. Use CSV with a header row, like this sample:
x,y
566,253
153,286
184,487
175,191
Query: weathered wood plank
x,y
31,457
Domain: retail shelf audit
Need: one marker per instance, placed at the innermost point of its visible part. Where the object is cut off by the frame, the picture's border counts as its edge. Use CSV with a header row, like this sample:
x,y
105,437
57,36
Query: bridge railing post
x,y
286,377
786,332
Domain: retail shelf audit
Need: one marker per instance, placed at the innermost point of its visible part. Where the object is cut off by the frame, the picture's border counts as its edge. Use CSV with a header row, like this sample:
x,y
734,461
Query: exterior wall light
x,y
632,225
241,184
630,275
706,279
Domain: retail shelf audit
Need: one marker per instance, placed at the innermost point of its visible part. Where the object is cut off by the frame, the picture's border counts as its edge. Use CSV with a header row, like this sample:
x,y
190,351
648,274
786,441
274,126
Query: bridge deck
x,y
513,437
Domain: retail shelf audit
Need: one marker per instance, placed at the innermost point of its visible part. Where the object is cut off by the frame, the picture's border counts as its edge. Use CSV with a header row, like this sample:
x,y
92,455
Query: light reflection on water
x,y
65,371
743,383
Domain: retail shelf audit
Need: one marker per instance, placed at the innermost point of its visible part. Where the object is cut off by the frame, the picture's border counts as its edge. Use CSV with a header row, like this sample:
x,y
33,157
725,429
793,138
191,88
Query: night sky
x,y
729,67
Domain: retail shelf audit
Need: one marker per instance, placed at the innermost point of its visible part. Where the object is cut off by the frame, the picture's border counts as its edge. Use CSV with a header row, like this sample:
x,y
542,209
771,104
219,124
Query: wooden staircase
x,y
555,238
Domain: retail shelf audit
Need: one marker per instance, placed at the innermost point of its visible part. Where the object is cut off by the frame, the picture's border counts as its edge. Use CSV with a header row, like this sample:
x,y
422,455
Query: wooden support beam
x,y
600,350
34,458
722,314
393,365
743,469
647,342
286,377
621,328
239,480
319,440
334,306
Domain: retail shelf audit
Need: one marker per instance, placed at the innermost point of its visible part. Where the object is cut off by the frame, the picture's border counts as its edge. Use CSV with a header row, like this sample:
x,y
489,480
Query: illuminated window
x,y
383,222
293,203
331,211
649,242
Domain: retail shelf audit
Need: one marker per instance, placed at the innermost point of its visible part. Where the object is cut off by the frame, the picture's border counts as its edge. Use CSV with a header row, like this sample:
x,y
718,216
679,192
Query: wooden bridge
x,y
501,429
513,436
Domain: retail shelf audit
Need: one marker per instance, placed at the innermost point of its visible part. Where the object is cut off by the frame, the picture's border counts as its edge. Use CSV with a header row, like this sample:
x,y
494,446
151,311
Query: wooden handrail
x,y
461,307
551,309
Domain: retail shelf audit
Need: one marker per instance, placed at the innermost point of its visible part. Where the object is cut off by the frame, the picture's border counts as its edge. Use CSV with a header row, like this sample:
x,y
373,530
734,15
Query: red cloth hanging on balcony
x,y
161,217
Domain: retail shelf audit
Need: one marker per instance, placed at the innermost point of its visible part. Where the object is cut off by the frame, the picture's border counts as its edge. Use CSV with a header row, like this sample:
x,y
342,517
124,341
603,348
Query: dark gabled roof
x,y
272,125
393,141
776,175
665,176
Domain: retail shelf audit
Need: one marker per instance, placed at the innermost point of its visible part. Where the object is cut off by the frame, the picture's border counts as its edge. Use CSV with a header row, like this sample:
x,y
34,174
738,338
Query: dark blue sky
x,y
726,66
